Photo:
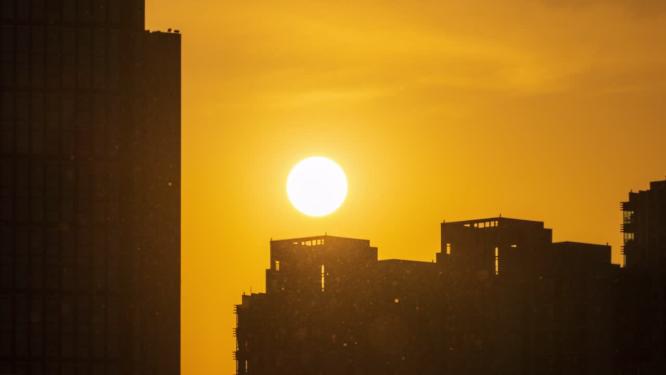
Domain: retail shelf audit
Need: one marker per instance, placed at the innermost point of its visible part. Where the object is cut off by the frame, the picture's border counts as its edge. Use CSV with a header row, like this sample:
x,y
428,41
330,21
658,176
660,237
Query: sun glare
x,y
317,186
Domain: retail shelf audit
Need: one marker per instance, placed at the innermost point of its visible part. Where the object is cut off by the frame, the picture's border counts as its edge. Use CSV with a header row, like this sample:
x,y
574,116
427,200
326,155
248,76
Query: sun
x,y
317,186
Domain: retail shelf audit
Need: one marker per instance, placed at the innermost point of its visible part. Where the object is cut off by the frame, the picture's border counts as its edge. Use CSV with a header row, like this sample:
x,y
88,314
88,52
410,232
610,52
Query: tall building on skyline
x,y
89,190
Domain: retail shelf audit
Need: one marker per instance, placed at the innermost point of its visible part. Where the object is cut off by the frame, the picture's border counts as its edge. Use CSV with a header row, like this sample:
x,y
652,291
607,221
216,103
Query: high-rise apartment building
x,y
89,190
501,298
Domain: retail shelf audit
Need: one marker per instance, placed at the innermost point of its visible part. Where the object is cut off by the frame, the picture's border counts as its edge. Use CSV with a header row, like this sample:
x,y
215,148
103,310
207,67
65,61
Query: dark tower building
x,y
89,190
642,293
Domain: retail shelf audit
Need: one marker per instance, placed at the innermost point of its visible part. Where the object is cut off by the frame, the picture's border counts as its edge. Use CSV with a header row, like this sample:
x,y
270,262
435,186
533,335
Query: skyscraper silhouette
x,y
89,190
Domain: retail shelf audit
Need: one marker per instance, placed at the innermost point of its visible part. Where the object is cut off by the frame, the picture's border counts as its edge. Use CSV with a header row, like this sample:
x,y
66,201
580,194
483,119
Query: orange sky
x,y
549,110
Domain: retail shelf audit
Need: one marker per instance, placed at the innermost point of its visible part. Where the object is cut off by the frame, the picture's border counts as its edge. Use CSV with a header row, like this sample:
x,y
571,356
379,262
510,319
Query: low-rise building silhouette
x,y
501,298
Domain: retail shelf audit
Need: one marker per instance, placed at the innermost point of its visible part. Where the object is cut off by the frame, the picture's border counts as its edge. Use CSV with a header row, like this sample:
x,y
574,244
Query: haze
x,y
546,110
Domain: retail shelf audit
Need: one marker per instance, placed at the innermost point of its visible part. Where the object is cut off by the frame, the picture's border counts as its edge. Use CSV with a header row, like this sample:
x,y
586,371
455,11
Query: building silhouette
x,y
644,228
89,190
642,296
501,298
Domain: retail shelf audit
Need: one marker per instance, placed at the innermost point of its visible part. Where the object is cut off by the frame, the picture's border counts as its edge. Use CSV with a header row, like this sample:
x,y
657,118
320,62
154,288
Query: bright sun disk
x,y
317,186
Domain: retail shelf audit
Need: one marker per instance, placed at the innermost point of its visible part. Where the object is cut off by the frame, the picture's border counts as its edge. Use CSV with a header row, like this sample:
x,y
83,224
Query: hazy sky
x,y
546,110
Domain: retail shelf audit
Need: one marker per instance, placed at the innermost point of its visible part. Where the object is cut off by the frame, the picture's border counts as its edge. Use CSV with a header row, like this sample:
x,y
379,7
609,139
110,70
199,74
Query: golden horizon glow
x,y
317,186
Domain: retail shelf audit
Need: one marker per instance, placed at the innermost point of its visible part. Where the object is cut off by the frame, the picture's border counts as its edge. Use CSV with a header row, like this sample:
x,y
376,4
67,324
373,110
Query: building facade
x,y
89,190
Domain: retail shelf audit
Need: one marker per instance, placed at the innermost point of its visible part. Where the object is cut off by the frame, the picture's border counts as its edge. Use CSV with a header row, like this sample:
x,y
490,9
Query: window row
x,y
36,343
41,72
60,315
99,273
61,192
98,12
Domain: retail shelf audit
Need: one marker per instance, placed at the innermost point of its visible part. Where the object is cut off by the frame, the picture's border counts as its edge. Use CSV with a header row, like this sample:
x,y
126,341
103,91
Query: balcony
x,y
627,206
627,227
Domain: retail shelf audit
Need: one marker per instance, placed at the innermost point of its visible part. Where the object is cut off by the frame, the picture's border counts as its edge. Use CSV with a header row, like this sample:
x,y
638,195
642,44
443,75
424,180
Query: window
x,y
99,12
52,129
69,58
99,269
21,128
7,55
37,125
99,58
37,192
36,271
99,192
69,10
113,59
6,189
67,195
51,192
627,217
6,271
496,260
323,278
83,195
21,326
22,60
51,273
6,137
112,272
112,336
67,275
36,241
448,248
21,272
277,265
51,323
22,185
85,11
53,51
38,10
84,57
99,322
83,328
5,324
7,9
